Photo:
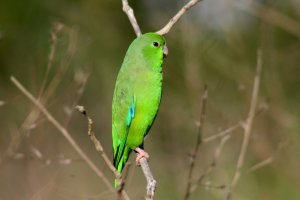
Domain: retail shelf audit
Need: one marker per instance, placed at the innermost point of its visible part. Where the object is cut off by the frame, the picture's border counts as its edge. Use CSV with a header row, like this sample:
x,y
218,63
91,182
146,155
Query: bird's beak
x,y
165,51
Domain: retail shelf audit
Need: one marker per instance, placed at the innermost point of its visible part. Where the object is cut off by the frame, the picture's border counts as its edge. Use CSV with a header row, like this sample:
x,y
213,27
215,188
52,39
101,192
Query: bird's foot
x,y
140,154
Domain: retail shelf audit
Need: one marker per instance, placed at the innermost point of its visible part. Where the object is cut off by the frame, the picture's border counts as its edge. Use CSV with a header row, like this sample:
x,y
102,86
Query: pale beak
x,y
165,51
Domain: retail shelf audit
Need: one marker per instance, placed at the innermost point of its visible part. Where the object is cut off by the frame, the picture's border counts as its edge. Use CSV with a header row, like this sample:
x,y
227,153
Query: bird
x,y
137,96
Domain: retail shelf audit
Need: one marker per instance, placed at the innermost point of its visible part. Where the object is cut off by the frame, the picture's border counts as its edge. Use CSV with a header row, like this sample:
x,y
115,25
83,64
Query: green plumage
x,y
137,95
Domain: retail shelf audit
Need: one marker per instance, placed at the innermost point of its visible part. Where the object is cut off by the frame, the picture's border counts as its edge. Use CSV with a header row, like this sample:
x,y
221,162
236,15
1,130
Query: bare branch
x,y
64,132
222,133
172,21
129,12
123,177
225,132
100,149
249,121
212,166
57,28
48,86
268,160
261,164
151,182
96,142
198,142
209,186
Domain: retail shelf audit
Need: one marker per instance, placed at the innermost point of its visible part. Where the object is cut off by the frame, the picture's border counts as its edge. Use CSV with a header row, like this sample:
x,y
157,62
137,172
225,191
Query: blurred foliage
x,y
214,44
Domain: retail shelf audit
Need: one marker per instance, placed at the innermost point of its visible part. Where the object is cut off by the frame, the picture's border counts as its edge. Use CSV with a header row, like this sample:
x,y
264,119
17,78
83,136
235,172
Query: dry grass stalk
x,y
248,124
100,149
66,134
197,145
96,142
213,164
176,17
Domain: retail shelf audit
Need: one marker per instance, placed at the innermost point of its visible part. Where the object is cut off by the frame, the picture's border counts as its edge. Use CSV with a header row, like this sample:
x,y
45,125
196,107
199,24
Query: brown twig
x,y
96,142
222,133
261,164
129,12
269,159
209,186
57,28
100,149
123,177
81,80
198,142
176,17
13,146
45,92
151,183
232,128
212,165
248,124
65,133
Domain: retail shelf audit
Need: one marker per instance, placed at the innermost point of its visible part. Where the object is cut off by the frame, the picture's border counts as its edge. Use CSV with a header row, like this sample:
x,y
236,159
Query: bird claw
x,y
140,154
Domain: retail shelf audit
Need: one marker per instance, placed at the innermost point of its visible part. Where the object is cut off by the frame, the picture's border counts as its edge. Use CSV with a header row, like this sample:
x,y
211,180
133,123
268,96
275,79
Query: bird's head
x,y
152,48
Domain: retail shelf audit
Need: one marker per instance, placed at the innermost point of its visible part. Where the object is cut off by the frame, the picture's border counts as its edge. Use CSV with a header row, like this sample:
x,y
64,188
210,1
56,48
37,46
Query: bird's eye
x,y
156,44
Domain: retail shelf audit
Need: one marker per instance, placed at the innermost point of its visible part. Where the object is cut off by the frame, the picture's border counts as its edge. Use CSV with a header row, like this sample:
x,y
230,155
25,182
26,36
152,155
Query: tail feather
x,y
120,158
122,151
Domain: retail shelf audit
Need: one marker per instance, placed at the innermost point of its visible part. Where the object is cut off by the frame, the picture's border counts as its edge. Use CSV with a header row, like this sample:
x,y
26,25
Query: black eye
x,y
156,44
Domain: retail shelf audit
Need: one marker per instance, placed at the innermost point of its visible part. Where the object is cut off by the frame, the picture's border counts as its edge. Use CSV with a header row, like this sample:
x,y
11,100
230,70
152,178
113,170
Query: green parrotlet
x,y
137,96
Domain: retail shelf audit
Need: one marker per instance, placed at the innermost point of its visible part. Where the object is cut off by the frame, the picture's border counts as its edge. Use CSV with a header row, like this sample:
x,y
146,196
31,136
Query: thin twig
x,y
174,19
249,121
129,12
212,165
45,92
222,133
57,28
209,186
151,182
64,132
232,128
96,142
261,164
269,159
123,177
198,142
100,149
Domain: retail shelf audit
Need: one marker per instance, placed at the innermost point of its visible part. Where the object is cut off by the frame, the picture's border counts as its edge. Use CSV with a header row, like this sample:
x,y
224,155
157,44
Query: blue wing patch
x,y
131,113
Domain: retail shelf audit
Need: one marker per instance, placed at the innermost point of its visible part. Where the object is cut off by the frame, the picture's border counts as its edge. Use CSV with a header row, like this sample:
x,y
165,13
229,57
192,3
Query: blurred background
x,y
69,52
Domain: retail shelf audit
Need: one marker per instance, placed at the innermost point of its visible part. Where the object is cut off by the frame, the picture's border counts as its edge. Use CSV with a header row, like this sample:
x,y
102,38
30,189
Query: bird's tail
x,y
121,156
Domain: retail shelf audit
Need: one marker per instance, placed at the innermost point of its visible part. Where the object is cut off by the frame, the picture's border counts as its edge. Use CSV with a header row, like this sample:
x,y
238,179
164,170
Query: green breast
x,y
148,96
